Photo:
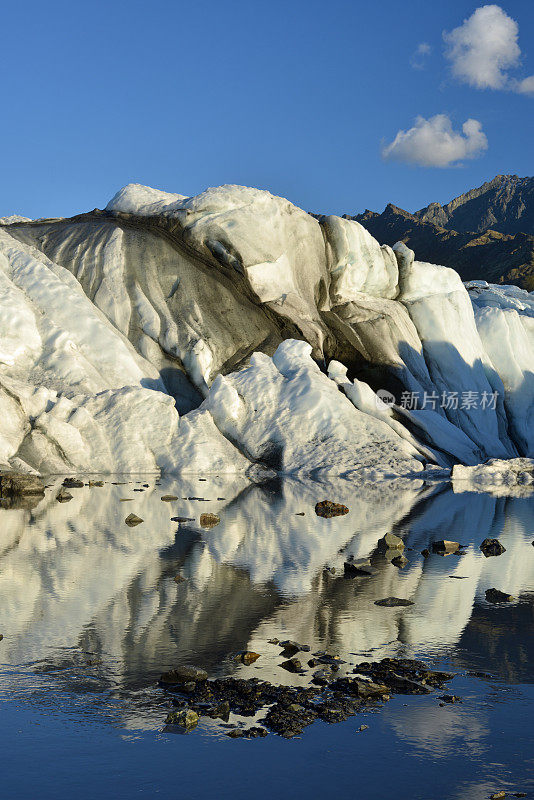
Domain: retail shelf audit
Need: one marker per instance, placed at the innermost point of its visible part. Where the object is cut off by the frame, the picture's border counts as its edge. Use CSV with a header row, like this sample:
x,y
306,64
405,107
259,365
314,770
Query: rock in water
x,y
360,567
496,596
73,483
328,509
168,498
184,674
445,547
492,547
63,496
390,542
292,665
187,719
392,602
249,657
132,520
209,521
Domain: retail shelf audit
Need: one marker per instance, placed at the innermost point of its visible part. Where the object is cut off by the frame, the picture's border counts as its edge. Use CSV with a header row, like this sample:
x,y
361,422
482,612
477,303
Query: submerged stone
x,y
183,674
392,602
187,719
496,596
132,520
390,542
445,547
209,520
492,547
328,509
73,483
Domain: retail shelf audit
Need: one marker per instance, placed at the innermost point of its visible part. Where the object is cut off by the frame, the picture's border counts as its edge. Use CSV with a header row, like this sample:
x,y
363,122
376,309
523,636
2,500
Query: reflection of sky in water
x,y
91,613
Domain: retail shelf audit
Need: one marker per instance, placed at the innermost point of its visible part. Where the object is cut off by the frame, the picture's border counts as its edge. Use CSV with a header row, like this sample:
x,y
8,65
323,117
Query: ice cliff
x,y
216,332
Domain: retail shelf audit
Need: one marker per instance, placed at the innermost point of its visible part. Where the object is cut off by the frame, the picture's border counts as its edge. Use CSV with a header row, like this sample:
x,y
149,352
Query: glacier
x,y
232,331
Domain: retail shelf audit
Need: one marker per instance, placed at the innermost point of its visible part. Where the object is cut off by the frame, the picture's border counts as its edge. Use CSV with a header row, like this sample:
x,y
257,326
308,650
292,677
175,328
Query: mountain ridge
x,y
486,233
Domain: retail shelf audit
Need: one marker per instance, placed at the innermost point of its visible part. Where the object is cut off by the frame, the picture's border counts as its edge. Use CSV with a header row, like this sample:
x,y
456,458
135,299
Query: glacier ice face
x,y
505,322
187,334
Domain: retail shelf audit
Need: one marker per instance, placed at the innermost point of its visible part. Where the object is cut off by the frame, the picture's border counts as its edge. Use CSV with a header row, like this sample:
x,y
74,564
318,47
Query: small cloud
x,y
417,60
526,86
484,48
433,143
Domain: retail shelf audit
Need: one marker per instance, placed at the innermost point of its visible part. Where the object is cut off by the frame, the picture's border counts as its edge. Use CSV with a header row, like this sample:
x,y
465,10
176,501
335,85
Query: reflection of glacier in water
x,y
75,579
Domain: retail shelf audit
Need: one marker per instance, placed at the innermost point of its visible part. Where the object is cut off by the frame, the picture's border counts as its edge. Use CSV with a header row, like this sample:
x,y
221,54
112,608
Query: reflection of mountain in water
x,y
73,575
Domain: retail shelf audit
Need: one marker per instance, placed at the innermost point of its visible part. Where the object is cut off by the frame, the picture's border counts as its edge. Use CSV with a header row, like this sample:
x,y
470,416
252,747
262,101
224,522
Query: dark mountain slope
x,y
479,234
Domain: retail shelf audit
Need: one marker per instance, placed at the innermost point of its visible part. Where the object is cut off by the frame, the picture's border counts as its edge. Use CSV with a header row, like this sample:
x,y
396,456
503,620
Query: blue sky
x,y
297,97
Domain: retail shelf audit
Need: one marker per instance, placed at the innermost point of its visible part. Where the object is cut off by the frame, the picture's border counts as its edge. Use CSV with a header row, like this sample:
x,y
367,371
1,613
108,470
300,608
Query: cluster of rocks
x,y
287,710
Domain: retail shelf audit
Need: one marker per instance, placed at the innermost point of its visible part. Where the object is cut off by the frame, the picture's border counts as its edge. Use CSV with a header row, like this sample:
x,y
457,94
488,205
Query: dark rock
x,y
179,579
219,711
168,498
497,795
182,519
390,542
187,719
209,521
292,665
496,596
425,553
249,657
273,641
362,567
132,520
328,509
392,602
291,647
451,698
323,676
327,658
63,496
445,547
492,547
97,484
363,728
366,690
184,674
247,733
1,636
399,561
73,483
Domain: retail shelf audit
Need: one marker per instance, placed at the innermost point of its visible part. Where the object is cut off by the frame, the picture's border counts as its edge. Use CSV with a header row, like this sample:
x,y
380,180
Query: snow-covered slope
x,y
127,339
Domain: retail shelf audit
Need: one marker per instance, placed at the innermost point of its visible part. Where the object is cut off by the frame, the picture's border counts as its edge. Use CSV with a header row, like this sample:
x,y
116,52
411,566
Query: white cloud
x,y
484,48
418,58
433,143
526,86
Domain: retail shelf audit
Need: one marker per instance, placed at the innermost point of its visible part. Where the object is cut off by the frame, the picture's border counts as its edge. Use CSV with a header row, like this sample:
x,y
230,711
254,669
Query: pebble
x,y
496,596
132,520
209,520
328,509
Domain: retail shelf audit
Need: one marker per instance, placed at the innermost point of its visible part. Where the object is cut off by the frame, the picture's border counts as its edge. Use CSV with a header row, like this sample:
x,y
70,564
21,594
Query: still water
x,y
91,615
